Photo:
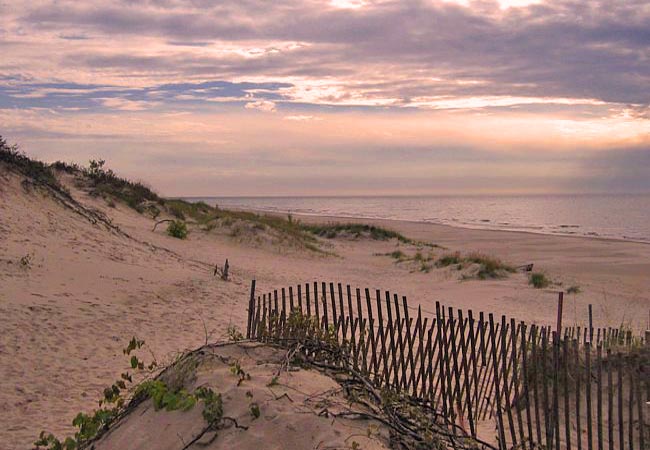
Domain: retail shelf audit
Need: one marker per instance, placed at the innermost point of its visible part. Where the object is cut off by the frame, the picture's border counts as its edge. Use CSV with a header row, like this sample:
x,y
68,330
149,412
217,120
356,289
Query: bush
x,y
539,280
177,229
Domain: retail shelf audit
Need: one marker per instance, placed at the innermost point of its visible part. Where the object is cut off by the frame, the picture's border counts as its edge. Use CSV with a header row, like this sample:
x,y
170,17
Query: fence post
x,y
560,304
591,323
251,310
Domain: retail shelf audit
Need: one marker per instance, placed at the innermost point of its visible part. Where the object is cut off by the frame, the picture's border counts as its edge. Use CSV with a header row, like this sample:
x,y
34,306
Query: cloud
x,y
262,105
123,104
301,118
560,49
535,96
19,94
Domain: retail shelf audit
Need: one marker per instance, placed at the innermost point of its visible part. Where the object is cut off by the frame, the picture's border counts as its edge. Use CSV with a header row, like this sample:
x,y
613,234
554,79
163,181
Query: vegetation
x,y
234,335
489,267
575,289
166,392
255,410
177,229
182,209
356,230
538,280
423,261
449,259
412,423
105,183
165,398
37,171
26,261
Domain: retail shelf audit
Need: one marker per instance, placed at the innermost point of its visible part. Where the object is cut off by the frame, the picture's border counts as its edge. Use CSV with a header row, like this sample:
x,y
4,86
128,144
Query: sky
x,y
335,97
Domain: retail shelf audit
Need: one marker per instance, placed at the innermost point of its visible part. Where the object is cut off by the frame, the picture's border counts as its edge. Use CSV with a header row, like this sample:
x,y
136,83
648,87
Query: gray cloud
x,y
567,48
308,58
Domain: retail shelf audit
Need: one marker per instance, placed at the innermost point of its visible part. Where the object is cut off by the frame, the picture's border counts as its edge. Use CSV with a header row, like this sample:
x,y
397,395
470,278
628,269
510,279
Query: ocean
x,y
615,216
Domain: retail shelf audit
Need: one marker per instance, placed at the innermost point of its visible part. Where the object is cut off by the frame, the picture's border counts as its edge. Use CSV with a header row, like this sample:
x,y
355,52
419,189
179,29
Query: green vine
x,y
119,394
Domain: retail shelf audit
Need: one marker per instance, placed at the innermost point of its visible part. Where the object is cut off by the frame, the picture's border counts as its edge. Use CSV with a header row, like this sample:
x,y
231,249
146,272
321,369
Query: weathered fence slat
x,y
499,416
583,386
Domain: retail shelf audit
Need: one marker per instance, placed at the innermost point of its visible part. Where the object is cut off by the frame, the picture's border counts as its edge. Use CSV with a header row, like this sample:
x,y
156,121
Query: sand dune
x,y
83,290
291,410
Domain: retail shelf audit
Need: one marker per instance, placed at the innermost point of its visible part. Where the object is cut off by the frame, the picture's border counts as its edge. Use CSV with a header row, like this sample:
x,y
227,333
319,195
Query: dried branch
x,y
159,222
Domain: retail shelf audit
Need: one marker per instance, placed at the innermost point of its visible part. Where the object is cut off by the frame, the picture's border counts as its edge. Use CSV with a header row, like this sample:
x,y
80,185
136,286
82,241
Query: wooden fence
x,y
509,382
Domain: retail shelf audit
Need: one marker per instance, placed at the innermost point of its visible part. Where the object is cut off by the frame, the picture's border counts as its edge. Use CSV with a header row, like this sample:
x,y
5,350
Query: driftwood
x,y
159,222
526,267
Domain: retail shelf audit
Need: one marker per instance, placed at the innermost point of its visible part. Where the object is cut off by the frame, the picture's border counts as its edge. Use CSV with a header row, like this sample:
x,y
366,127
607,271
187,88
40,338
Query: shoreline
x,y
335,218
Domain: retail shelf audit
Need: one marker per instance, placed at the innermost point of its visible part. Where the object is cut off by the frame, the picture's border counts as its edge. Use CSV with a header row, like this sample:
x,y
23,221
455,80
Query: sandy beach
x,y
84,290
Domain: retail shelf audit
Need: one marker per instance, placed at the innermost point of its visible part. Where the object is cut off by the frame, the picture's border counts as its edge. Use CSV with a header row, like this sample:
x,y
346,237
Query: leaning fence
x,y
529,386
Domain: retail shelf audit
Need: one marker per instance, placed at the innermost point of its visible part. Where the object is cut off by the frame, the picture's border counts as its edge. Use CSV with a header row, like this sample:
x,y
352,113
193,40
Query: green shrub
x,y
177,229
539,280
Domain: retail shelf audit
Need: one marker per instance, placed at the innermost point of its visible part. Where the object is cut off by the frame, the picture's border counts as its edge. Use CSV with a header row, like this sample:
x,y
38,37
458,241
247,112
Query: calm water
x,y
624,216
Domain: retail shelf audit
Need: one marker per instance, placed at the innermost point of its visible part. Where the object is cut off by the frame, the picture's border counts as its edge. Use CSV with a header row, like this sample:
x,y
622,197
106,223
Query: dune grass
x,y
106,183
489,266
356,230
449,259
38,171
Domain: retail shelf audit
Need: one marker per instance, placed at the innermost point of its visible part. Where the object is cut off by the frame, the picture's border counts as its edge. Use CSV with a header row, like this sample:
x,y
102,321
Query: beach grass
x,y
356,230
489,266
449,259
38,171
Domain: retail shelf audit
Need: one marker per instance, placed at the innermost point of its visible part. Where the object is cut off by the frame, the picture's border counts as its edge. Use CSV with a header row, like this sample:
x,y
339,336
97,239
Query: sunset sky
x,y
341,97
